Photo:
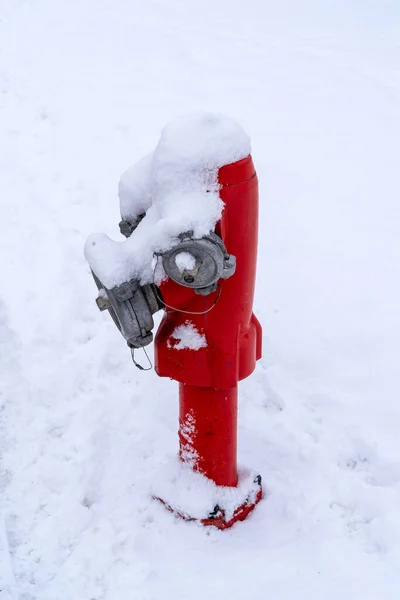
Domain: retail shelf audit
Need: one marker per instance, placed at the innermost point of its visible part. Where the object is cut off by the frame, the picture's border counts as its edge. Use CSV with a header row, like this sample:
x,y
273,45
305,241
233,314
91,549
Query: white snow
x,y
177,187
188,336
193,495
85,89
136,189
185,261
187,450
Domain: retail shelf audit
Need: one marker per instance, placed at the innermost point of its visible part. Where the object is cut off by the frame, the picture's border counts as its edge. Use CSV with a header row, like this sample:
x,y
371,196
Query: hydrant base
x,y
240,513
193,497
219,520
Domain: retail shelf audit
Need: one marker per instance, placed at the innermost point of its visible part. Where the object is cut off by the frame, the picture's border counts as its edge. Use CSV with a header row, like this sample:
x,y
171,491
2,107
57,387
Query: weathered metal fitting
x,y
131,307
199,263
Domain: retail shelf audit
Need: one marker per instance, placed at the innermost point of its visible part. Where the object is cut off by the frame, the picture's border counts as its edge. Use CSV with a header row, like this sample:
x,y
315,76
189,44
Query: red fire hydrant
x,y
180,206
208,377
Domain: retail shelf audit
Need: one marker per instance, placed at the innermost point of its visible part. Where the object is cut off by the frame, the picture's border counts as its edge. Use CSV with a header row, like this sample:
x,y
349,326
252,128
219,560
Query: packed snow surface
x,y
85,89
188,336
177,187
193,495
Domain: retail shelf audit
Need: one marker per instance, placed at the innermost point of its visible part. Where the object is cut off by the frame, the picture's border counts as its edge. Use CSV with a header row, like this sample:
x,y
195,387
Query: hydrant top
x,y
173,190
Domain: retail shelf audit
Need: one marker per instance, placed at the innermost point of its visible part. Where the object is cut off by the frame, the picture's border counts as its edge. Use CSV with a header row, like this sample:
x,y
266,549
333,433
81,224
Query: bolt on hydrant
x,y
190,213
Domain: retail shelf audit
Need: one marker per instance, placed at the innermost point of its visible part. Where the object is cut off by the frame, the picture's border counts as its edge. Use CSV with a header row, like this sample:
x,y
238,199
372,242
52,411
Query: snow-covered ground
x,y
85,88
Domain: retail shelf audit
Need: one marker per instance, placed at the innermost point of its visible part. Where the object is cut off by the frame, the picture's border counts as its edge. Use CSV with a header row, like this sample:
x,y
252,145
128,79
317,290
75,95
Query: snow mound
x,y
177,187
193,495
189,337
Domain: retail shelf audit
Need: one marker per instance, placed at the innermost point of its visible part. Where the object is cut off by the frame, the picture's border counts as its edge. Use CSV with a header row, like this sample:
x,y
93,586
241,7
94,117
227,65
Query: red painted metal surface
x,y
209,376
208,431
239,515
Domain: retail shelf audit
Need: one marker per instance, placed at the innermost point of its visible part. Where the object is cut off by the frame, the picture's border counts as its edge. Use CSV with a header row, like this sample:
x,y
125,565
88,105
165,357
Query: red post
x,y
208,376
208,432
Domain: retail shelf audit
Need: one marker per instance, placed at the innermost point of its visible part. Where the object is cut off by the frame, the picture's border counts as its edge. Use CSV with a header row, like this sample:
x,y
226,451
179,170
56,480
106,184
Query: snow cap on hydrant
x,y
176,188
190,213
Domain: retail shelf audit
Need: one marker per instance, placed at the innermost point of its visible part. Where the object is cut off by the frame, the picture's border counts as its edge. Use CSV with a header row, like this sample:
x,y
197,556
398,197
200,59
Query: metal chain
x,y
186,312
137,364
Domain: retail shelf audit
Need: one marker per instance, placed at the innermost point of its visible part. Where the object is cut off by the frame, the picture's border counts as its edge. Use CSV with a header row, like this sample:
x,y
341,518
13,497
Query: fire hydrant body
x,y
193,204
208,377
